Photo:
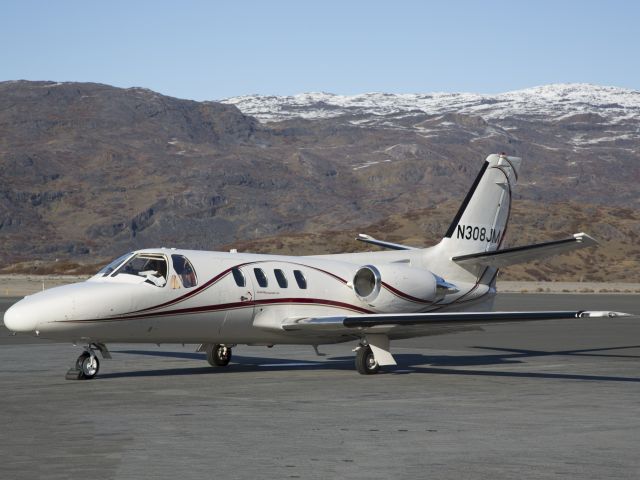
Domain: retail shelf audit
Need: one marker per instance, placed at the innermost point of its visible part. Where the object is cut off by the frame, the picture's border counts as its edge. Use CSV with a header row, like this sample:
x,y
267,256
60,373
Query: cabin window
x,y
151,266
261,277
238,277
184,270
282,280
104,271
300,280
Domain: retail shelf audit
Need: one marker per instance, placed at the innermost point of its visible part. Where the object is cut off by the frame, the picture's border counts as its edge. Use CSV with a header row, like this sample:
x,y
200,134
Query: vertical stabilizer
x,y
481,222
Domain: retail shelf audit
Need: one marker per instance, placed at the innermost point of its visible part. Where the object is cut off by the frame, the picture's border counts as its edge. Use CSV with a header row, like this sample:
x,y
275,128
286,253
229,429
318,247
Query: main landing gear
x,y
366,363
373,353
218,355
87,364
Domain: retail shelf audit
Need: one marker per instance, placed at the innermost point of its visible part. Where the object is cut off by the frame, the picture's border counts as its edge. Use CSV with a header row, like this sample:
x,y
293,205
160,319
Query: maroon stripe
x,y
472,289
221,275
313,301
406,296
201,288
267,301
340,279
231,306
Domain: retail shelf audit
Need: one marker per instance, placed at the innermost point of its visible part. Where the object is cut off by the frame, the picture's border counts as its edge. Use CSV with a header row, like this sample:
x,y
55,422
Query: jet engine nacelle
x,y
395,287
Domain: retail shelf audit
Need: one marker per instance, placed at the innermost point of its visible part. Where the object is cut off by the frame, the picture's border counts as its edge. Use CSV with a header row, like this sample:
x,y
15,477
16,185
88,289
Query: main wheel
x,y
88,365
365,361
218,355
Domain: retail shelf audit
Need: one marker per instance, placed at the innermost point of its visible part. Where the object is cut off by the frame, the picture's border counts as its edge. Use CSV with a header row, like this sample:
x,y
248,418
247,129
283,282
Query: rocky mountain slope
x,y
88,171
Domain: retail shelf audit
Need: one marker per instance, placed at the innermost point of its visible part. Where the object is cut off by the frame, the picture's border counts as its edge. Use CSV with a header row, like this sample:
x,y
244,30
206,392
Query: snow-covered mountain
x,y
548,102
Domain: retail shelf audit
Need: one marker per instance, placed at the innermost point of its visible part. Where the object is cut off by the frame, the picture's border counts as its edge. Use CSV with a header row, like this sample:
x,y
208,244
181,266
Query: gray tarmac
x,y
558,399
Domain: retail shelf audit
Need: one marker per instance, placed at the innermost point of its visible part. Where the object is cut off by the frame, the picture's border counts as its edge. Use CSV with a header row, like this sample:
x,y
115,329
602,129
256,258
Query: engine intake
x,y
367,282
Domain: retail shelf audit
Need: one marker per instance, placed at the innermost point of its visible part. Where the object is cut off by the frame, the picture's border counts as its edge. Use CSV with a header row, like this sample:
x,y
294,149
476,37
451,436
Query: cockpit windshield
x,y
106,270
151,266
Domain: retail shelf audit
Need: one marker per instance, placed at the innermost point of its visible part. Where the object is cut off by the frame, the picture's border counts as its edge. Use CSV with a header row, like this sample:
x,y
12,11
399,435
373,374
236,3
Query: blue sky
x,y
212,50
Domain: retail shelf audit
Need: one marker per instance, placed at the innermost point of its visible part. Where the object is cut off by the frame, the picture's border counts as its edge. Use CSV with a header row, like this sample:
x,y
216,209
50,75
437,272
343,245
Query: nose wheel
x,y
87,364
218,355
86,367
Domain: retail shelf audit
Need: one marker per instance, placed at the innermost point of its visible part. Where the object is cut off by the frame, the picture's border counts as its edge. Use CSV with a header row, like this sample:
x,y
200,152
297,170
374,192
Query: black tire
x,y
88,365
218,355
221,355
365,361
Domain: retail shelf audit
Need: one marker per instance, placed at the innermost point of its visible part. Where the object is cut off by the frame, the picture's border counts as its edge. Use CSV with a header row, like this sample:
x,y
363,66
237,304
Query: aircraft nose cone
x,y
20,318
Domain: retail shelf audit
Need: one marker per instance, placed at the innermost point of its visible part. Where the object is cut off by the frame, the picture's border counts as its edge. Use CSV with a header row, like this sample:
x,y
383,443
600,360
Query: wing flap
x,y
511,256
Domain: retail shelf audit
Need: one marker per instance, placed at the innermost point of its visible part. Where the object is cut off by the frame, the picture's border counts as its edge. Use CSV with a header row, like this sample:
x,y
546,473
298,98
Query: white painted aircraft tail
x,y
481,222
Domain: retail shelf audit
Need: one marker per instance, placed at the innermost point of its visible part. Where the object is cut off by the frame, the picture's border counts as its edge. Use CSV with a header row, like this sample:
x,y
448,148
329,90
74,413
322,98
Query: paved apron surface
x,y
556,399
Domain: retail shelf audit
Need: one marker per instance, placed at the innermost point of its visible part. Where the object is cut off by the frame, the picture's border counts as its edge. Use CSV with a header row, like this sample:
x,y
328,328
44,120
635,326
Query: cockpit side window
x,y
106,270
184,270
238,277
151,266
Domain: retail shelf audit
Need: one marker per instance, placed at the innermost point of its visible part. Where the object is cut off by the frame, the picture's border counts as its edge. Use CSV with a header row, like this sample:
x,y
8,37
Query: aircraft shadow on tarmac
x,y
407,363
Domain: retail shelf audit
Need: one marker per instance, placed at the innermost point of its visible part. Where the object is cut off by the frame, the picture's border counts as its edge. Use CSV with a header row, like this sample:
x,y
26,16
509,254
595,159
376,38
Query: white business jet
x,y
220,299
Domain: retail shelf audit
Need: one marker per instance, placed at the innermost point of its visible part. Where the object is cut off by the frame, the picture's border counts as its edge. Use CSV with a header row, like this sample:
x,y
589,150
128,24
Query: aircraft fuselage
x,y
220,308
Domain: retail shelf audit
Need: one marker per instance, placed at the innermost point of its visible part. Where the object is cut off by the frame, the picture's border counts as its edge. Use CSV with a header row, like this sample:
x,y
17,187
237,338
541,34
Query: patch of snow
x,y
595,141
369,164
484,137
548,102
546,147
56,84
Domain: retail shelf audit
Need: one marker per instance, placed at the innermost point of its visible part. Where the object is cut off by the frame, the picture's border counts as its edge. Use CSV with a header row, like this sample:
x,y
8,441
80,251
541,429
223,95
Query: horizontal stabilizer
x,y
376,321
526,253
380,243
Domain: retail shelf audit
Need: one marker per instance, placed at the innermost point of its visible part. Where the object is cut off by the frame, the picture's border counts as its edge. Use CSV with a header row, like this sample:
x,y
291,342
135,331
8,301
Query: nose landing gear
x,y
87,364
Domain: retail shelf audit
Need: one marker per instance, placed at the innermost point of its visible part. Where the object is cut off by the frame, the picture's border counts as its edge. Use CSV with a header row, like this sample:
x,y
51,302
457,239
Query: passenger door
x,y
240,294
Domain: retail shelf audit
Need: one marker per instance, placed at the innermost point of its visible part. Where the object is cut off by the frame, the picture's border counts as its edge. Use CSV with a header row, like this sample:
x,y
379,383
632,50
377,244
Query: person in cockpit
x,y
183,268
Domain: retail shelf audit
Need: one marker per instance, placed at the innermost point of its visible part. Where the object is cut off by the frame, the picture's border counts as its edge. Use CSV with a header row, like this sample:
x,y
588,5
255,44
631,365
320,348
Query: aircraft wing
x,y
416,323
510,256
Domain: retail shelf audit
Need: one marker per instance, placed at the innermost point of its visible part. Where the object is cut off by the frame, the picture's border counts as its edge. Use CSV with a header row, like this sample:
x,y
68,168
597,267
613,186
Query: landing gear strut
x,y
218,355
366,363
